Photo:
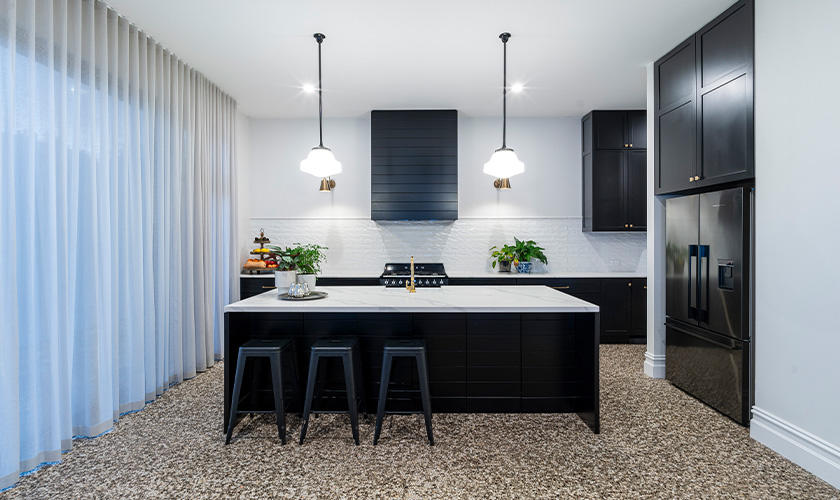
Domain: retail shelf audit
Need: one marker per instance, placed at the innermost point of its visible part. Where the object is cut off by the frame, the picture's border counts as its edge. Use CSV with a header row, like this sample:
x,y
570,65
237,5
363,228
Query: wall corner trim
x,y
654,365
810,452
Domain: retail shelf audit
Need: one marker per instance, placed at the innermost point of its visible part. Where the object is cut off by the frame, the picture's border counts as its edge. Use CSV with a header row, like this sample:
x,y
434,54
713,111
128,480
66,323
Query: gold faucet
x,y
409,285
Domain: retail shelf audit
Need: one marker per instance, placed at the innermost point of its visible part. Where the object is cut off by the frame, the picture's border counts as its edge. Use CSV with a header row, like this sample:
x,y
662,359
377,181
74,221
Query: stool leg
x,y
360,382
350,381
277,387
310,390
423,373
383,395
234,400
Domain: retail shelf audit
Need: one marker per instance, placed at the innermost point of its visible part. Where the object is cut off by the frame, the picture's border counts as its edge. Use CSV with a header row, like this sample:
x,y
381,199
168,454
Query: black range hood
x,y
414,165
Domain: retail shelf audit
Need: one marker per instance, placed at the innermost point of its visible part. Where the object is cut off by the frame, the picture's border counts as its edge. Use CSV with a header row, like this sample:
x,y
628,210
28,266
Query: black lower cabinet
x,y
623,303
623,310
250,286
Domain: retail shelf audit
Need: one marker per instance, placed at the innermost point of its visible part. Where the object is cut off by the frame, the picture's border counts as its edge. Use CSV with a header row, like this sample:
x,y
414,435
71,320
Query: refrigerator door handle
x,y
703,282
692,289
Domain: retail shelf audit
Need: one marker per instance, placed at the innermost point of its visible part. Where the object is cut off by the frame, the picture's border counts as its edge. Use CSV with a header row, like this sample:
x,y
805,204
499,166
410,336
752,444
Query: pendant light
x,y
504,164
321,162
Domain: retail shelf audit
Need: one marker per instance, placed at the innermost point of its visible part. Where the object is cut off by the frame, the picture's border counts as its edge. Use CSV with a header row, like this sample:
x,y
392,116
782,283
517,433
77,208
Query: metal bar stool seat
x,y
348,351
399,348
272,349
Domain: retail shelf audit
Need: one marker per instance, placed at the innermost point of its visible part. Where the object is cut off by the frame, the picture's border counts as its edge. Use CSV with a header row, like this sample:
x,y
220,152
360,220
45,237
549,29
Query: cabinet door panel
x,y
676,80
586,196
637,190
608,191
638,315
725,115
637,129
609,129
677,146
725,46
615,310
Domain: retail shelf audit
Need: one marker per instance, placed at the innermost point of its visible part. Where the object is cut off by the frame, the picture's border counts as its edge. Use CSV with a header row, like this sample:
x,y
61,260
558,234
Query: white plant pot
x,y
309,279
282,280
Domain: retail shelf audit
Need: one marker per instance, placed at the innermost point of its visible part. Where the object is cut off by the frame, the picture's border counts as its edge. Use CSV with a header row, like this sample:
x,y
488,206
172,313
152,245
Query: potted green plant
x,y
526,251
286,272
502,256
308,259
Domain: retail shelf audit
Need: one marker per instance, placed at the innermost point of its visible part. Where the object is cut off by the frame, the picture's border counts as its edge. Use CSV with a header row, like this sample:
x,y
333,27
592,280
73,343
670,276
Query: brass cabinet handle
x,y
629,283
696,177
631,144
625,225
691,179
564,287
631,225
268,287
625,145
645,287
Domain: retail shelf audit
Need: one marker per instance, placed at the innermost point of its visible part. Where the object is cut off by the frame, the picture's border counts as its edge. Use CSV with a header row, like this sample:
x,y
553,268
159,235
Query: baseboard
x,y
654,365
810,452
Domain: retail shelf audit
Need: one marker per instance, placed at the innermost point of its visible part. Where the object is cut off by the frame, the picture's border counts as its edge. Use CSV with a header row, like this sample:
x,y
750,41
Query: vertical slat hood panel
x,y
414,165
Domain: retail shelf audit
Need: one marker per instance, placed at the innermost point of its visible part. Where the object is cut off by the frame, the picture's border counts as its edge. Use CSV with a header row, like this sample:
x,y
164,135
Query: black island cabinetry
x,y
520,357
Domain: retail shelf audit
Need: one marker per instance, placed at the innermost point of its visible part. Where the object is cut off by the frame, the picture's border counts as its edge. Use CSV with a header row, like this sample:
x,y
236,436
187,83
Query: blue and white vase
x,y
523,267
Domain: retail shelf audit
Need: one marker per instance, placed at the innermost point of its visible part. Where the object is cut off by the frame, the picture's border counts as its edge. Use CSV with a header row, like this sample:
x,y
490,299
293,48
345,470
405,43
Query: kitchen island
x,y
496,349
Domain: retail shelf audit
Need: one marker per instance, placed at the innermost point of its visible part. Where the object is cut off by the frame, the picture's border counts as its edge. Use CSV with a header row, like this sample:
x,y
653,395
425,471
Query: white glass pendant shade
x,y
321,162
504,164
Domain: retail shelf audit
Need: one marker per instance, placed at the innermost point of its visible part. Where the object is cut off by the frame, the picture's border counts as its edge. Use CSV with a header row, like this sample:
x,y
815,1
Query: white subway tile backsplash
x,y
360,247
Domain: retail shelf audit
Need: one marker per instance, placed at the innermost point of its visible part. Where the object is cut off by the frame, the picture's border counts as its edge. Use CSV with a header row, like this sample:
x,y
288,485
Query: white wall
x,y
550,148
797,341
544,204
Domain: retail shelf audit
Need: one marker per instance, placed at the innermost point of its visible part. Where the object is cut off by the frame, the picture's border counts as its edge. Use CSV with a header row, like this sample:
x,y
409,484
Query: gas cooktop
x,y
425,275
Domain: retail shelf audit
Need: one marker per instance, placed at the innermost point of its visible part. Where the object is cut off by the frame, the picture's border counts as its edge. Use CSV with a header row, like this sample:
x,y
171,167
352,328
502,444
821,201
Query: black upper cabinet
x,y
636,178
414,165
614,171
610,129
637,129
703,93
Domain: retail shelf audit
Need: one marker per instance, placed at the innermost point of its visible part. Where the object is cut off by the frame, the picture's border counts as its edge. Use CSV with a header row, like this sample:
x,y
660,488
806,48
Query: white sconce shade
x,y
504,164
321,162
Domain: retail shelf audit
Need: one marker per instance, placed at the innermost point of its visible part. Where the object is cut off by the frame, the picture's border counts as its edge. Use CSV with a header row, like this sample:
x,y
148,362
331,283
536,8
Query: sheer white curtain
x,y
117,252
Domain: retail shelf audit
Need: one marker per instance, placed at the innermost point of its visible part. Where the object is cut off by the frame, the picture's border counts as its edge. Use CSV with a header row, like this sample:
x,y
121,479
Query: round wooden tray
x,y
312,296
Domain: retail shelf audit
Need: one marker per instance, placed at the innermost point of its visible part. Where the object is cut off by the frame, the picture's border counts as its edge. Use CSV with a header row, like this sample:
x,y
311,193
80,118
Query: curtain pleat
x,y
117,216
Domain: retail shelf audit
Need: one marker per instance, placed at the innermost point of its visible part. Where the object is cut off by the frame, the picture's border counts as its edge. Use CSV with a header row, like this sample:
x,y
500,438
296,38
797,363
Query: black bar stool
x,y
347,350
410,349
273,350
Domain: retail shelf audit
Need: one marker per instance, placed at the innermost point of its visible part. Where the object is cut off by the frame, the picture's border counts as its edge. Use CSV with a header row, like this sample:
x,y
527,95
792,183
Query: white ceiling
x,y
573,55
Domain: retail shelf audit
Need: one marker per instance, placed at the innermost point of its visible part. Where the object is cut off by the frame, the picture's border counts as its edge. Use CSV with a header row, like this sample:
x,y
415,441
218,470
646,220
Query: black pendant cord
x,y
320,38
504,37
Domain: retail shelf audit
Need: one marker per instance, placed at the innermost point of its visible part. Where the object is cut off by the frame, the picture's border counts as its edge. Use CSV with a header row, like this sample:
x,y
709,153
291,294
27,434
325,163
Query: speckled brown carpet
x,y
656,442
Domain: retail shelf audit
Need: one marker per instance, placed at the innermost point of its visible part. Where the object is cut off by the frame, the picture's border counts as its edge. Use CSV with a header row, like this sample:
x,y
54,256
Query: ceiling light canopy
x,y
321,161
504,163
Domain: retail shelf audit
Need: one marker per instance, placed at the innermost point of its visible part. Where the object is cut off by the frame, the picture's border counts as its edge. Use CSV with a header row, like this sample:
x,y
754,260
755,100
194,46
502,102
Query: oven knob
x,y
427,282
434,282
400,282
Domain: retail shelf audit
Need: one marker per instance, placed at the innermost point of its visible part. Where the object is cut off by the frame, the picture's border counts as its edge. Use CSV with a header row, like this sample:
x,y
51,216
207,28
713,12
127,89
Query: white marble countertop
x,y
471,299
583,274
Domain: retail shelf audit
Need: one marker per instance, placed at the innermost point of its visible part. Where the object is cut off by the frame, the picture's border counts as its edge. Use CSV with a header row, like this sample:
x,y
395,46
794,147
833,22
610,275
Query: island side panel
x,y
588,328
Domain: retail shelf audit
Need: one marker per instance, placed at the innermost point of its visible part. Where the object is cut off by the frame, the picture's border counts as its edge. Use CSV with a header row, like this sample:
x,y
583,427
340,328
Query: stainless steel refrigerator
x,y
708,290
